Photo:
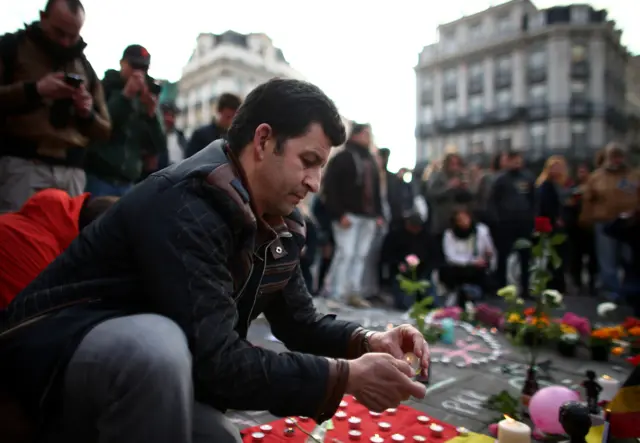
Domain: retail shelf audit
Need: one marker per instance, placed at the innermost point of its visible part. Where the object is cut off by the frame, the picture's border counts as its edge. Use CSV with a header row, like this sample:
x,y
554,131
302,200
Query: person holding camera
x,y
51,106
137,137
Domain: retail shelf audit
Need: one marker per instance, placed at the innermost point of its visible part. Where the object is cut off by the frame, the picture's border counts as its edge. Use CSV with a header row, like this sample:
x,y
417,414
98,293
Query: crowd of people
x,y
462,221
134,259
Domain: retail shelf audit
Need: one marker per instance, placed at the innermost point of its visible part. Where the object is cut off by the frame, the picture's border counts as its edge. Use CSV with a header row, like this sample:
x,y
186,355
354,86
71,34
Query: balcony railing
x,y
536,74
538,111
580,108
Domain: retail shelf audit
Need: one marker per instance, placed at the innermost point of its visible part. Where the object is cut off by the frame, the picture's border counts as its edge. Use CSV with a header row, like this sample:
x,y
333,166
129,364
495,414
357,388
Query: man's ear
x,y
262,134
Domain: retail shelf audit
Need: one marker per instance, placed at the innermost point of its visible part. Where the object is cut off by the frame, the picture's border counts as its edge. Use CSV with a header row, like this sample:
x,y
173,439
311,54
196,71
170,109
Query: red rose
x,y
543,225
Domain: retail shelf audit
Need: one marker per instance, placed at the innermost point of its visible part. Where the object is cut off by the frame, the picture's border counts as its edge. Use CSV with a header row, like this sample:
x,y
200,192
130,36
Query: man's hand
x,y
135,84
399,341
149,101
380,381
345,222
53,86
82,101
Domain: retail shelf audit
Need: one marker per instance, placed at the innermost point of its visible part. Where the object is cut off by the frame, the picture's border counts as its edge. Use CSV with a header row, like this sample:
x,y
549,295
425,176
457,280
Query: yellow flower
x,y
618,350
566,329
514,318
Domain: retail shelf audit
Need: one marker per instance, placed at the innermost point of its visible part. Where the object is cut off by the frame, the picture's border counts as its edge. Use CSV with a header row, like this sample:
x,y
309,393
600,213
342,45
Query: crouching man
x,y
137,332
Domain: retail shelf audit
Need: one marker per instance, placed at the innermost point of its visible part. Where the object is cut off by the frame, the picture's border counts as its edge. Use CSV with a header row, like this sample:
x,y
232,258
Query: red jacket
x,y
34,236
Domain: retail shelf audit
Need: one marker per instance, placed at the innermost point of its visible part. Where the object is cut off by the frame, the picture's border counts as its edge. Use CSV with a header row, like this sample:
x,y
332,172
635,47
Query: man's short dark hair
x,y
93,208
229,101
384,153
289,107
73,5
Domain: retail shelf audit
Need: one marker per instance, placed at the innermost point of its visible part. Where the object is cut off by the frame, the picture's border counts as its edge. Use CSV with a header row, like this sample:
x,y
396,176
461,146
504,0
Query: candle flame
x,y
376,436
509,419
606,377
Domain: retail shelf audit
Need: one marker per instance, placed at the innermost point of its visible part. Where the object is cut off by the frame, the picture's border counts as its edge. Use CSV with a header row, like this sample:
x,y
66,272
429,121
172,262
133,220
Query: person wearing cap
x,y
31,238
137,138
351,190
612,189
51,106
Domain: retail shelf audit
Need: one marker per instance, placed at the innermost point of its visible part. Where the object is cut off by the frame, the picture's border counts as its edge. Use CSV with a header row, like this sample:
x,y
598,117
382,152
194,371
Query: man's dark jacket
x,y
202,137
185,244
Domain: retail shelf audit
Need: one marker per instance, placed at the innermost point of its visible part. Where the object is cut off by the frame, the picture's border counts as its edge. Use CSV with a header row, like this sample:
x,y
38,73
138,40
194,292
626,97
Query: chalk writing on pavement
x,y
466,402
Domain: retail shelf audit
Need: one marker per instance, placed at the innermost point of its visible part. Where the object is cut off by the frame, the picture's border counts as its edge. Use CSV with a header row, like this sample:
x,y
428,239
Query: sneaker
x,y
358,302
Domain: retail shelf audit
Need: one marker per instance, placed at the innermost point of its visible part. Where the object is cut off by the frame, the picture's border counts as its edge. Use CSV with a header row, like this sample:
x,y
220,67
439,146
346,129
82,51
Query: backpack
x,y
9,44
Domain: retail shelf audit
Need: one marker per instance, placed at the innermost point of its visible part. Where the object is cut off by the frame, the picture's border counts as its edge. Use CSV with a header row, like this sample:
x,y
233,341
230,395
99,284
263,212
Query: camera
x,y
154,87
73,80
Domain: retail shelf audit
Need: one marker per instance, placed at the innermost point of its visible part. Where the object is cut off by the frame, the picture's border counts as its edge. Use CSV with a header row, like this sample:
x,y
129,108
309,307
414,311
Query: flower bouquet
x,y
568,340
601,342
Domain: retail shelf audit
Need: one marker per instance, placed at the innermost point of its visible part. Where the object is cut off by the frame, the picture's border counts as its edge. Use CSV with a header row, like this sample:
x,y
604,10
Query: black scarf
x,y
61,55
463,234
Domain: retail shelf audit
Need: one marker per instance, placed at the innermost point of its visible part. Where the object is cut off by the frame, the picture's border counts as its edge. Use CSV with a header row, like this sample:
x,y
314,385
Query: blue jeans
x,y
100,188
609,252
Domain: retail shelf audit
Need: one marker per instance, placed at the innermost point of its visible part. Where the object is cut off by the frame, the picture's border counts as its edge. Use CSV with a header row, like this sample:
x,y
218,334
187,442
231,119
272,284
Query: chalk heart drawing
x,y
466,402
462,350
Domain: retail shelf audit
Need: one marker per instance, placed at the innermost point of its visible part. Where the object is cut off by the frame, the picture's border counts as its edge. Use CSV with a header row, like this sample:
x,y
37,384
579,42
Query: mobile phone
x,y
73,80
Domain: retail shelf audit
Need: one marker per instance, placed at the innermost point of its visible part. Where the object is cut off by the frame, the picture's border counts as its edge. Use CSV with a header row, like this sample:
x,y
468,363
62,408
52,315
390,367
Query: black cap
x,y
137,56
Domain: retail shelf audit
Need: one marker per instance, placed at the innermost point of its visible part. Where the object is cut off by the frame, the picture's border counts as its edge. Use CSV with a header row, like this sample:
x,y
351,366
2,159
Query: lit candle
x,y
392,411
423,420
266,429
384,426
303,418
610,387
376,439
289,432
374,414
289,422
355,435
436,430
413,361
419,439
354,422
389,326
462,431
397,437
512,431
340,415
343,404
257,436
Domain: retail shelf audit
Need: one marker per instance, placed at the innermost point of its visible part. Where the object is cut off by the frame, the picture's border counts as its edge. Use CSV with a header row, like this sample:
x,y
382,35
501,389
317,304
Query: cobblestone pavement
x,y
464,375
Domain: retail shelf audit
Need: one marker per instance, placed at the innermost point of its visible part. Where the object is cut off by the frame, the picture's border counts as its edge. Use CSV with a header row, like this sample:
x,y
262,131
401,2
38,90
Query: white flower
x,y
554,295
570,337
606,307
470,309
508,291
520,301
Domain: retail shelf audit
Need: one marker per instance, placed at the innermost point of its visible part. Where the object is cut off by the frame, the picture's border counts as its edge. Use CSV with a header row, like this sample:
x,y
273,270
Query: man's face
x,y
62,26
515,162
455,165
363,137
286,176
127,69
225,117
616,159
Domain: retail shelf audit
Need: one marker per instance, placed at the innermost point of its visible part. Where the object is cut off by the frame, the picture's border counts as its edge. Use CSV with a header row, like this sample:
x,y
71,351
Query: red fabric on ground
x,y
405,422
624,425
33,237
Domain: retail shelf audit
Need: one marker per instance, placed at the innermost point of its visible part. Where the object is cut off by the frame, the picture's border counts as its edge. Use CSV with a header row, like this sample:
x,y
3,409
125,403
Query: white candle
x,y
374,414
355,435
419,439
289,422
397,437
266,428
392,411
610,387
303,418
423,420
257,436
436,430
340,415
343,404
384,426
511,431
354,423
376,439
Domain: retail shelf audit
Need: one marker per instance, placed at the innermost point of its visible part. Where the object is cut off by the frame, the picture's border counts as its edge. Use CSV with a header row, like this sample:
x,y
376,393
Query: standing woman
x,y
553,192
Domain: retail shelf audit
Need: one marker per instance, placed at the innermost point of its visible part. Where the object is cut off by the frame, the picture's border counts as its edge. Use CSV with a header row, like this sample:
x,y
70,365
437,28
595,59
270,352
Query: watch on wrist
x,y
365,341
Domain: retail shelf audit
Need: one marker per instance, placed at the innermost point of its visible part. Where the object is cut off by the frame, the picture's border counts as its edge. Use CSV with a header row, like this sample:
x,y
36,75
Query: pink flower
x,y
402,268
412,260
493,429
451,312
581,324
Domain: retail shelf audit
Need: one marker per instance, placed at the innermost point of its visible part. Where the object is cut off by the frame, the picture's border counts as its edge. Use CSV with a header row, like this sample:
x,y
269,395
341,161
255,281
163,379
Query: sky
x,y
361,53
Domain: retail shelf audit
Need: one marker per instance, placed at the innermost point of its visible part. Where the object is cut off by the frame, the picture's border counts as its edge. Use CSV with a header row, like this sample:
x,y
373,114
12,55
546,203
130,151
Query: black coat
x,y
183,244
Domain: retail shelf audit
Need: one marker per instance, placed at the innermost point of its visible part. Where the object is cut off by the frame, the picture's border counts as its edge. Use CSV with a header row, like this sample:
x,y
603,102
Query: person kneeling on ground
x,y
469,254
139,328
34,236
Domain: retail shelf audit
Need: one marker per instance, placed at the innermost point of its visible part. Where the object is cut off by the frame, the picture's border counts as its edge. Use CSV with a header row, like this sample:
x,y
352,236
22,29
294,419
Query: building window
x,y
427,114
476,104
538,94
475,31
579,135
427,83
451,77
538,58
579,14
503,63
451,109
476,70
503,23
578,89
503,99
538,137
578,52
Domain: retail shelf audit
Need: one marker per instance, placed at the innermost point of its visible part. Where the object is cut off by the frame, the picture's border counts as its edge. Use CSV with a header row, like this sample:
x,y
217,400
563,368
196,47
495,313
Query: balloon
x,y
544,407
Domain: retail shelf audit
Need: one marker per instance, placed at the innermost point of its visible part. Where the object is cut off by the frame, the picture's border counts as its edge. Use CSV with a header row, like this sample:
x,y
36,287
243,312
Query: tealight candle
x,y
374,414
436,430
340,415
512,431
355,435
462,431
303,418
343,404
289,422
419,439
413,361
397,437
289,432
354,422
257,436
610,387
376,439
392,411
266,429
423,420
384,426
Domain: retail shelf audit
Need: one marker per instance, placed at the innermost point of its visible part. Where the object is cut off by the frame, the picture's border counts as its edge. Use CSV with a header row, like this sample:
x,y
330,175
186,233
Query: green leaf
x,y
522,243
558,239
556,261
